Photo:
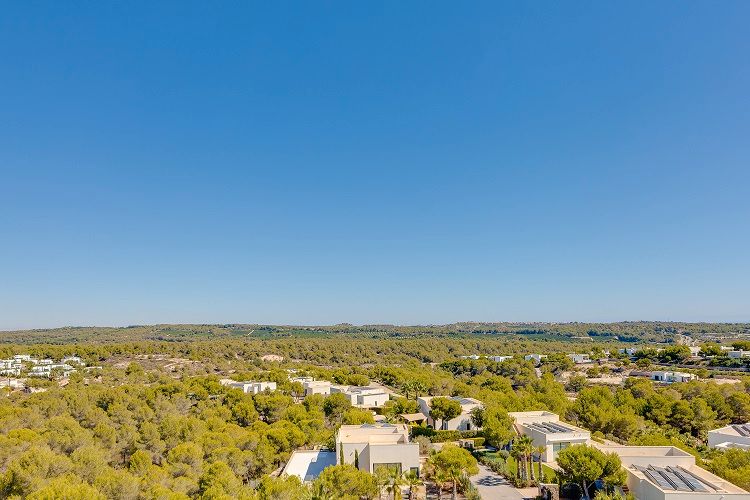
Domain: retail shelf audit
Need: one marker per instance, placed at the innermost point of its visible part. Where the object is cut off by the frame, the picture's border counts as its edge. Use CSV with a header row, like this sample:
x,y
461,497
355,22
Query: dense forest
x,y
636,331
153,421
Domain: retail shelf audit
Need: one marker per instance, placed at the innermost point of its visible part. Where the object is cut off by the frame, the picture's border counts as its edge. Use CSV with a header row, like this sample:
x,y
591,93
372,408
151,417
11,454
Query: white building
x,y
545,430
73,359
471,356
630,351
738,354
460,423
668,473
499,359
46,370
672,377
580,359
317,387
362,397
371,446
731,436
536,358
250,387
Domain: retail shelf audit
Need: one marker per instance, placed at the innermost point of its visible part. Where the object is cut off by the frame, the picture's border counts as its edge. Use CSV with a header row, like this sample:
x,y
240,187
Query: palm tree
x,y
440,479
412,479
540,450
395,481
524,448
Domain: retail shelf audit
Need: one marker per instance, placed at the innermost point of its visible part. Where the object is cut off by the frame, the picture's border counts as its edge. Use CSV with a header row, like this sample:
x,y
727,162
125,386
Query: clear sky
x,y
403,162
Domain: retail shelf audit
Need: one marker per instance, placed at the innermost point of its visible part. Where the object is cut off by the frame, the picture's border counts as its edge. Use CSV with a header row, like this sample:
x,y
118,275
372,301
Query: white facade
x,y
738,354
731,436
362,397
250,387
373,445
630,351
317,387
46,370
545,430
536,358
580,359
672,377
460,423
668,473
499,359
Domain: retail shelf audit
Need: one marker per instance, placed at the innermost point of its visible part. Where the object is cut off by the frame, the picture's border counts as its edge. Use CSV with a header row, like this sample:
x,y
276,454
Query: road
x,y
494,487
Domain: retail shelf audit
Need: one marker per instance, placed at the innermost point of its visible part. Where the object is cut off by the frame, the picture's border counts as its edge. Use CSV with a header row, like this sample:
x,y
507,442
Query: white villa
x,y
580,359
731,436
370,446
460,423
362,397
672,377
545,429
250,387
536,358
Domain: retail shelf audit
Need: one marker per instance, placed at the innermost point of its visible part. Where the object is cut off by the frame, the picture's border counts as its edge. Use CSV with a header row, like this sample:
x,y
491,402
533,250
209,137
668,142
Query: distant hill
x,y
629,331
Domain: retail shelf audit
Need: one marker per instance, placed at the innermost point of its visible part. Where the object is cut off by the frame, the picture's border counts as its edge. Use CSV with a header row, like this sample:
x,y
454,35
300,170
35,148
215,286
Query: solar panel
x,y
742,429
691,481
675,479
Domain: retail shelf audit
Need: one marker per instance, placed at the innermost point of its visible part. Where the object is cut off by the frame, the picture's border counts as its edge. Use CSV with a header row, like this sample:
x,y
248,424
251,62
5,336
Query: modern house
x,y
250,387
668,473
672,377
731,436
317,387
499,359
630,351
535,358
580,359
545,430
362,397
460,423
46,370
371,446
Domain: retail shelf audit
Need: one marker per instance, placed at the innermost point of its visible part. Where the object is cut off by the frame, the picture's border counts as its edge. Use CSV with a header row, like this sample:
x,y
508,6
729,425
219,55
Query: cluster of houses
x,y
249,387
359,396
33,367
653,472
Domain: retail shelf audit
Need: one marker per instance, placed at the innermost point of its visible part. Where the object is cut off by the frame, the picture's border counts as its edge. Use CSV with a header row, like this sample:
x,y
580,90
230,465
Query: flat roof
x,y
373,433
308,464
735,430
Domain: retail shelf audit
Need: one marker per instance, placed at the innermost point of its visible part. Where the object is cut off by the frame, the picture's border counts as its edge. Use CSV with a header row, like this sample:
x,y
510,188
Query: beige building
x,y
668,473
460,423
371,446
545,430
731,436
362,397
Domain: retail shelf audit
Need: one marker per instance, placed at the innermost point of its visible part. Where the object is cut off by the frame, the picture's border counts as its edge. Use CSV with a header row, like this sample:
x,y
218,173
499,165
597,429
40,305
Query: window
x,y
389,467
415,470
557,447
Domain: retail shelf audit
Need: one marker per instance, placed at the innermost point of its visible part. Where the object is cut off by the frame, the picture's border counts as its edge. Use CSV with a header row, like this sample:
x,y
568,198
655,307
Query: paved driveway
x,y
494,487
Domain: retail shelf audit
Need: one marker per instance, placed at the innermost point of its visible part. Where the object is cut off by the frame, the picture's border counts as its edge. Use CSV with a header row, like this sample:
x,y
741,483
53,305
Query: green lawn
x,y
549,474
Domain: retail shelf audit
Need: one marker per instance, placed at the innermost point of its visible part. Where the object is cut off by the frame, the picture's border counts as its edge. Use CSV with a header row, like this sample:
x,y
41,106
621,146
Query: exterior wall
x,y
374,400
405,454
460,423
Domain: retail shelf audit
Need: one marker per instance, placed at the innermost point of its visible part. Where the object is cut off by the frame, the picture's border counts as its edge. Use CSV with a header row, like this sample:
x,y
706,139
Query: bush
x,y
443,436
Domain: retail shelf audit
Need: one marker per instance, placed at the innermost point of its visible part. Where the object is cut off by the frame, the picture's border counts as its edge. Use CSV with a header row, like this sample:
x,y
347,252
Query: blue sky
x,y
403,162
